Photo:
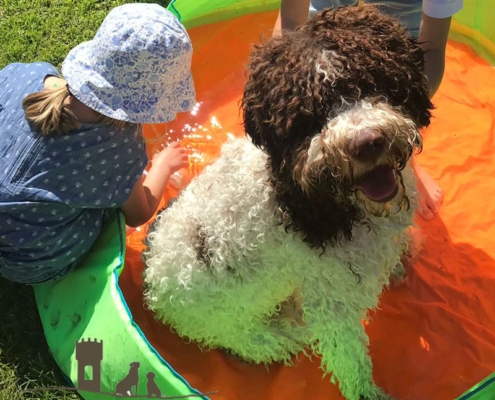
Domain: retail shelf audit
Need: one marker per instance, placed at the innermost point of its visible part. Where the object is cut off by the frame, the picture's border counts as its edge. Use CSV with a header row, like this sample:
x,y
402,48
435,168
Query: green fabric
x,y
478,15
88,304
485,390
201,12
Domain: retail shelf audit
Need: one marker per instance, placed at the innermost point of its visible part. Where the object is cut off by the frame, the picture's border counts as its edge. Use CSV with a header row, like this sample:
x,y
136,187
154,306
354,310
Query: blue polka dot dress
x,y
54,190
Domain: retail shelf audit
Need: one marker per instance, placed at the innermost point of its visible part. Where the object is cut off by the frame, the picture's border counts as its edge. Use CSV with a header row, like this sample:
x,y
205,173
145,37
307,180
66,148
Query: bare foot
x,y
430,194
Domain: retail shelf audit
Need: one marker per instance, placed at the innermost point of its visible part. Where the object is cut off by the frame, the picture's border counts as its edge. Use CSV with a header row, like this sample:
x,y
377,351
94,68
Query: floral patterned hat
x,y
137,68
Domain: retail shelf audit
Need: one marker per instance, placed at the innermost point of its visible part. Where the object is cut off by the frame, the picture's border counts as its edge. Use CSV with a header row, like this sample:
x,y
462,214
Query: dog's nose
x,y
367,145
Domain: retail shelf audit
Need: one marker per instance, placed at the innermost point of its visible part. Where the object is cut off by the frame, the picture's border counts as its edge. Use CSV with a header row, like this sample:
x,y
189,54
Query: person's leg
x,y
431,195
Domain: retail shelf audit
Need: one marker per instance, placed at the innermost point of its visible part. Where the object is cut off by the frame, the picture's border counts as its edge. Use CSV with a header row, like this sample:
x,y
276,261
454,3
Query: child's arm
x,y
433,36
293,13
146,195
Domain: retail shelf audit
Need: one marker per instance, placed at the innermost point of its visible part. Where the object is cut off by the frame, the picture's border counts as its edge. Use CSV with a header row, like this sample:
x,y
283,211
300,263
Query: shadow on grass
x,y
25,360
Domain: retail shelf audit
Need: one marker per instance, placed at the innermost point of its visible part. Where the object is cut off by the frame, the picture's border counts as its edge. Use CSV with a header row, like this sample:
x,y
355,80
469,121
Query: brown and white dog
x,y
288,239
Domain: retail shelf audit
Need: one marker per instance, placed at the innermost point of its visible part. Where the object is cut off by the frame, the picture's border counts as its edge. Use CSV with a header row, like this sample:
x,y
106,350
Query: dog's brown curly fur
x,y
287,102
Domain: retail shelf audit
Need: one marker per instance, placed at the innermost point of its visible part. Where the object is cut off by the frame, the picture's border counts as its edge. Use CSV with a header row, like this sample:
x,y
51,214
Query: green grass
x,y
38,30
45,30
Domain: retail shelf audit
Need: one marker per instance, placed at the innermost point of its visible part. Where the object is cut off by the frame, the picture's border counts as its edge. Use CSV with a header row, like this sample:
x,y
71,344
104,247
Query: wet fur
x,y
271,250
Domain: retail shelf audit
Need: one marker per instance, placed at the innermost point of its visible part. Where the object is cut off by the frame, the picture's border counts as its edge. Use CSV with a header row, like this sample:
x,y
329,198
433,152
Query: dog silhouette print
x,y
151,386
124,387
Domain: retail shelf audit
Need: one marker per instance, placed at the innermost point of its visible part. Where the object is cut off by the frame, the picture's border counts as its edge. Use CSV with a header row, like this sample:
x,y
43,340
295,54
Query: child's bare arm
x,y
147,194
293,13
433,36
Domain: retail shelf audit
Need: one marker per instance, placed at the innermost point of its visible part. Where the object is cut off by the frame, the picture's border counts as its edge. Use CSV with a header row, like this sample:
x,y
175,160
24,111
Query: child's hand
x,y
172,158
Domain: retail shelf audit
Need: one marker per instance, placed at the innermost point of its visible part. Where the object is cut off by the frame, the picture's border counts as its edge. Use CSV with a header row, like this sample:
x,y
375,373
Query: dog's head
x,y
135,365
150,375
337,105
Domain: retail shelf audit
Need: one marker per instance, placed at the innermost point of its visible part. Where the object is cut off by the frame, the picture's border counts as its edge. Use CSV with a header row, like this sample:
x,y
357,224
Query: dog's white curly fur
x,y
259,291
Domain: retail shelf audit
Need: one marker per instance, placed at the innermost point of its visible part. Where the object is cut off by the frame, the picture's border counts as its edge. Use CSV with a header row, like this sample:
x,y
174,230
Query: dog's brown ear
x,y
252,128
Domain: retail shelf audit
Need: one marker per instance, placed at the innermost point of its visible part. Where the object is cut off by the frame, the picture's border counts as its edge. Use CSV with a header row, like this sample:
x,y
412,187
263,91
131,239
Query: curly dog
x,y
288,239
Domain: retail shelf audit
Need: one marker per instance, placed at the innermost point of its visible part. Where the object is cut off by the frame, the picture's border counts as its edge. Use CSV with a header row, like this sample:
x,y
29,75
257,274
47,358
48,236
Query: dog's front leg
x,y
338,335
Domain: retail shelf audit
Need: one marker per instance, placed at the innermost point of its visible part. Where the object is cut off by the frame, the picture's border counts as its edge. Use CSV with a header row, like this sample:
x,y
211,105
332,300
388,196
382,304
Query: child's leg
x,y
431,196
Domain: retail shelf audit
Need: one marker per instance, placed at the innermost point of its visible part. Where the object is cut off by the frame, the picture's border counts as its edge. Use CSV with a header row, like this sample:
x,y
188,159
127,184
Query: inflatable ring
x,y
88,307
86,312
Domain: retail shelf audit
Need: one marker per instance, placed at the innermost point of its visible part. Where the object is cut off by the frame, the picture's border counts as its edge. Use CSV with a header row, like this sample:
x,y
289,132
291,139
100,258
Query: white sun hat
x,y
137,68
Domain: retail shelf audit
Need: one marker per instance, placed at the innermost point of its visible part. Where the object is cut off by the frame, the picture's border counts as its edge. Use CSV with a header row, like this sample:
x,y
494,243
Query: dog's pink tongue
x,y
379,185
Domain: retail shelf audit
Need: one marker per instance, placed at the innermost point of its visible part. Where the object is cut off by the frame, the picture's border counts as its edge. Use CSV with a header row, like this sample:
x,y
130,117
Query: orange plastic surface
x,y
433,337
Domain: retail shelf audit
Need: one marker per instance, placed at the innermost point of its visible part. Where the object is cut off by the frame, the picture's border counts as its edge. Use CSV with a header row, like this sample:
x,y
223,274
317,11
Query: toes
x,y
426,213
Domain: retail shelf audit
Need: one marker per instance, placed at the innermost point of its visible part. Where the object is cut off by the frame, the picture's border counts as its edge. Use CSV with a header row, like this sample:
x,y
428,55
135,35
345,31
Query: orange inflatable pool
x,y
433,337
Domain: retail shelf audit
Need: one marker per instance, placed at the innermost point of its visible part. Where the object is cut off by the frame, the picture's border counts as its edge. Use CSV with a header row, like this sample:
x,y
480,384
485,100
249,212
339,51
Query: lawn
x,y
38,30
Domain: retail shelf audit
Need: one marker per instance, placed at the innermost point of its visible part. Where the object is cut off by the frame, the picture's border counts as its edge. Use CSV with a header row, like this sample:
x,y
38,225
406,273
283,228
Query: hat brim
x,y
94,91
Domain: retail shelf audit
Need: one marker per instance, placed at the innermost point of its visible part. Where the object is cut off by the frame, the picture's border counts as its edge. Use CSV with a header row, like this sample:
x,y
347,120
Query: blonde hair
x,y
49,114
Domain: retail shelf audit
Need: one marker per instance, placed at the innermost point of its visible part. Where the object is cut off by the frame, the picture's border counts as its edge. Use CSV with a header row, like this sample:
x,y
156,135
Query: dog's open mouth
x,y
379,185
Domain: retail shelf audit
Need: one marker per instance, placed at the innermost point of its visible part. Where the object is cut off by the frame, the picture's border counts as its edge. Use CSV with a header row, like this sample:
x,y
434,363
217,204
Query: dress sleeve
x,y
442,8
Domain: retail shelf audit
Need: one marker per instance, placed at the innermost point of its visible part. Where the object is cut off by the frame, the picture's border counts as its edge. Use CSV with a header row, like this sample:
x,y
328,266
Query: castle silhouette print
x,y
89,355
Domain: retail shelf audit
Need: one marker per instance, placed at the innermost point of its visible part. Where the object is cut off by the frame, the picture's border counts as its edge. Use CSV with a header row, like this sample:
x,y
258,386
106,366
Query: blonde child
x,y
71,147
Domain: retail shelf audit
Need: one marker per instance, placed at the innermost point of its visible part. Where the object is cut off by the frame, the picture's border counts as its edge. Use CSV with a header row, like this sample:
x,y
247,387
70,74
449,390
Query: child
x,y
430,19
71,148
